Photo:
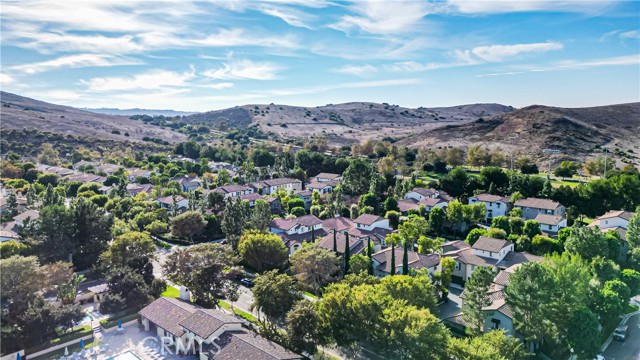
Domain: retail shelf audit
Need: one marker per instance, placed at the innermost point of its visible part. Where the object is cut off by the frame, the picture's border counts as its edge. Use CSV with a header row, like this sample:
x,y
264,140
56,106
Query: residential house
x,y
87,178
274,203
82,165
421,193
494,253
188,183
295,231
327,177
618,221
216,166
135,189
496,205
219,336
108,169
269,187
370,222
234,190
406,205
29,215
173,202
134,173
498,315
341,224
58,170
432,203
306,196
551,223
382,261
250,198
531,207
324,187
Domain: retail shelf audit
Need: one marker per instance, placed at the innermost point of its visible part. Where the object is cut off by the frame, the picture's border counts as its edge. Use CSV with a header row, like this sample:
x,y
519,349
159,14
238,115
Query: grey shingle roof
x,y
167,313
243,345
537,203
205,322
490,244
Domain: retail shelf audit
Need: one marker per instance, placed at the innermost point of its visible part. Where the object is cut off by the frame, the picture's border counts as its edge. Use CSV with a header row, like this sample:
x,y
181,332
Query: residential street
x,y
630,349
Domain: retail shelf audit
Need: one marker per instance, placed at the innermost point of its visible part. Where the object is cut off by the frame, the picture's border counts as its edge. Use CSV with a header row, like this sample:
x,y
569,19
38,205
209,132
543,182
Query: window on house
x,y
527,209
458,266
498,205
550,227
496,324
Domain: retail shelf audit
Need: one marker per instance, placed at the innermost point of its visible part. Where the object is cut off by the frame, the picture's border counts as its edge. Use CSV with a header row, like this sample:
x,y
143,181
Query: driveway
x,y
630,349
453,306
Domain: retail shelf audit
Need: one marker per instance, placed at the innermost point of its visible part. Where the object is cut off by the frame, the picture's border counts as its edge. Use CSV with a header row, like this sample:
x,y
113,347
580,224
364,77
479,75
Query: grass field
x,y
171,292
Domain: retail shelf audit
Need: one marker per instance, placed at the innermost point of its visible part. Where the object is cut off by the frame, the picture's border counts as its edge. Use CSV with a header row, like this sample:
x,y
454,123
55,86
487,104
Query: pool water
x,y
129,355
86,320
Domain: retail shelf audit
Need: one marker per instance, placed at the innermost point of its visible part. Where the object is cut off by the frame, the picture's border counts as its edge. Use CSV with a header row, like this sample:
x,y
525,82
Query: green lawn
x,y
243,314
171,292
310,295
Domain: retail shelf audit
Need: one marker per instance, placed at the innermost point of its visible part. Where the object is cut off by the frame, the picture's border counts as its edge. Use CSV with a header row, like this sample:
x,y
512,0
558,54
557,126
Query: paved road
x,y
453,306
630,349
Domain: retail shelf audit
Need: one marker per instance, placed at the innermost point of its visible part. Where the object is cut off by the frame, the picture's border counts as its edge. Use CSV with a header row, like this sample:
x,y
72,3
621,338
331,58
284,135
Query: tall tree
x,y
476,297
588,242
126,247
188,224
528,294
347,252
274,296
263,251
203,269
234,221
314,266
304,333
357,177
405,257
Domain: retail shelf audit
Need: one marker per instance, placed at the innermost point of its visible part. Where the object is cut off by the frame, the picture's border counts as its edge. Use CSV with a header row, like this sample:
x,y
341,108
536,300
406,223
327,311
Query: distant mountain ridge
x,y
138,111
573,131
345,123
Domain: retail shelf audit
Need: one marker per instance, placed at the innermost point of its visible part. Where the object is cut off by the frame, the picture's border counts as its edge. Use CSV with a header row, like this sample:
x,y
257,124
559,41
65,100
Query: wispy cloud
x,y
383,17
633,34
6,79
357,70
75,61
626,60
506,6
154,79
244,69
290,16
499,53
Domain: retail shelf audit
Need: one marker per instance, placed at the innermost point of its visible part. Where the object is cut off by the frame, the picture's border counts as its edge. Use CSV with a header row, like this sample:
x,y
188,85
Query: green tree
x,y
261,215
437,216
531,228
359,264
391,204
529,293
188,224
263,251
274,296
584,337
203,269
357,177
588,242
126,247
476,298
347,253
496,233
566,169
315,267
632,279
445,275
492,345
304,333
501,222
474,235
633,230
235,218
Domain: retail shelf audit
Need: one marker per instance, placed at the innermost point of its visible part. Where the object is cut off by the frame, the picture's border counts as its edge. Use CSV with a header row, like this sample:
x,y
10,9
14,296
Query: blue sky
x,y
198,56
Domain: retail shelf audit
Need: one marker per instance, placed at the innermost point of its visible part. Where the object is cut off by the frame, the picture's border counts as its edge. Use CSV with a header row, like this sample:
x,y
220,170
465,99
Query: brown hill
x,y
344,123
573,131
18,112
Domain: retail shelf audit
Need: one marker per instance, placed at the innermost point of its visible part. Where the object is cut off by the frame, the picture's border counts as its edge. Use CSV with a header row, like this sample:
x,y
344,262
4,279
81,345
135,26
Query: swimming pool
x,y
129,355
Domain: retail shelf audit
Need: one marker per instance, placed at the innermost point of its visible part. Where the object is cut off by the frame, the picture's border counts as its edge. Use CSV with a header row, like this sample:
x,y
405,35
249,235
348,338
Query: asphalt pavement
x,y
629,349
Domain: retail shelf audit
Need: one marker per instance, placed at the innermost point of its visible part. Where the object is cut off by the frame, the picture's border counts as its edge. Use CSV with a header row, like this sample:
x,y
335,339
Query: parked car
x,y
620,333
247,282
599,357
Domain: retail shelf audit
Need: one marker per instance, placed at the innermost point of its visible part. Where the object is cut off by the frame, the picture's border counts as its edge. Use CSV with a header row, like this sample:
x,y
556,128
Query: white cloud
x,y
6,79
612,61
499,53
290,16
506,6
75,61
357,70
244,69
154,79
219,86
384,17
634,34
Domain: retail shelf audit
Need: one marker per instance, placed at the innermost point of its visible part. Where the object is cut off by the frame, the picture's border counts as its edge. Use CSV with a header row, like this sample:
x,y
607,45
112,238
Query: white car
x,y
599,357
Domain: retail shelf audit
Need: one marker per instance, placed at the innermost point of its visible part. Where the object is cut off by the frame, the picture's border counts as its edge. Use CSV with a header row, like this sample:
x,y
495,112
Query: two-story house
x,y
173,202
382,261
496,205
618,221
295,231
326,177
531,207
370,222
551,223
268,187
421,193
212,333
234,190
